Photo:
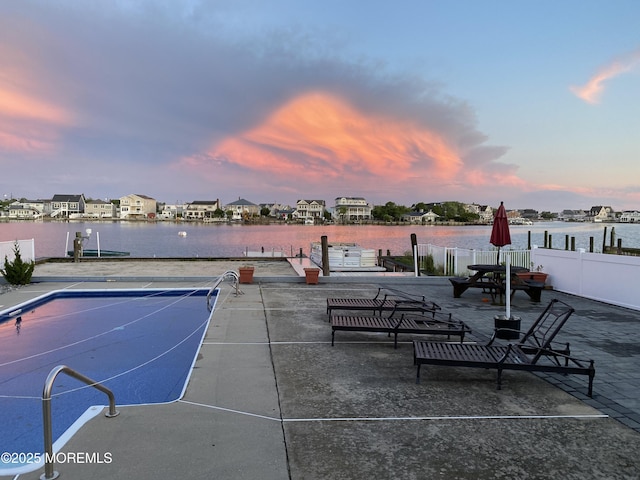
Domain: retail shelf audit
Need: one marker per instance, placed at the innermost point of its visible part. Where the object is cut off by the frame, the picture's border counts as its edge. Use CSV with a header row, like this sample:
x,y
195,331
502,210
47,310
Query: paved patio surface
x,y
270,398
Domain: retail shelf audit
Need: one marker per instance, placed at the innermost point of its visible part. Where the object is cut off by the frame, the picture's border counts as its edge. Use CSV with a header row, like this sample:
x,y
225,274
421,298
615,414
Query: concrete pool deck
x,y
270,398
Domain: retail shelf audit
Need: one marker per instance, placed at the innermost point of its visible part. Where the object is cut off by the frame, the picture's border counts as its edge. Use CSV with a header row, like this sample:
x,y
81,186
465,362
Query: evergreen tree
x,y
17,272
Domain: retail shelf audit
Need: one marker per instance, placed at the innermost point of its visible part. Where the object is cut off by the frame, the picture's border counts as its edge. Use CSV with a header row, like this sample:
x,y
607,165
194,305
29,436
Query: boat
x,y
100,253
346,257
182,233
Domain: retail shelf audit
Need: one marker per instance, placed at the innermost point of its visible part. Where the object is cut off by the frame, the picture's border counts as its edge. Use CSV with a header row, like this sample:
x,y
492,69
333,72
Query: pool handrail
x,y
49,472
236,281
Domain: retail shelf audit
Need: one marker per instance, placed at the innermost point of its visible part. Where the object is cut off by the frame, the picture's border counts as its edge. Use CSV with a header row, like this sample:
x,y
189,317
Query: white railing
x,y
27,250
453,260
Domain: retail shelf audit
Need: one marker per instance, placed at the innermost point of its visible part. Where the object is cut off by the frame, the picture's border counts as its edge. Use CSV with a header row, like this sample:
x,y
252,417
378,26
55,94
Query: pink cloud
x,y
592,90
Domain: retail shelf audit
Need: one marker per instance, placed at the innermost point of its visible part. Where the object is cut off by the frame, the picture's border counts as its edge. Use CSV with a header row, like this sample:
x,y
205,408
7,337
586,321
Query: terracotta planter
x,y
246,274
311,275
535,276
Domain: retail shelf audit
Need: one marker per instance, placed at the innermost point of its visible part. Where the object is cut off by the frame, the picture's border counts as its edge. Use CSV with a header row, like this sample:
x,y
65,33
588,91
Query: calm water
x,y
161,239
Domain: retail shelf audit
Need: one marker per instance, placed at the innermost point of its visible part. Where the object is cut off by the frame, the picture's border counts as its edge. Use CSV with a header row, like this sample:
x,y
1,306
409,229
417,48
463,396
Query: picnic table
x,y
491,278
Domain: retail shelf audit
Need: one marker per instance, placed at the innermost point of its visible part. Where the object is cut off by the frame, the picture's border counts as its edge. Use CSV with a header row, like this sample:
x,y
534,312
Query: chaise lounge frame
x,y
533,353
427,323
387,299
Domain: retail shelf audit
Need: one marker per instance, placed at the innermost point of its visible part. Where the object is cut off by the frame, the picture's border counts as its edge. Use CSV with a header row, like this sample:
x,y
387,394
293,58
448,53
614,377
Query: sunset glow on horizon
x,y
277,102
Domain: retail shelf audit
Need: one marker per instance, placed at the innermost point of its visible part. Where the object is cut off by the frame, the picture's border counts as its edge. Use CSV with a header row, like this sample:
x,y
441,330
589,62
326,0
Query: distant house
x,y
352,208
171,212
600,213
66,206
421,217
285,213
310,209
28,209
630,216
529,214
201,210
242,209
99,209
137,206
573,215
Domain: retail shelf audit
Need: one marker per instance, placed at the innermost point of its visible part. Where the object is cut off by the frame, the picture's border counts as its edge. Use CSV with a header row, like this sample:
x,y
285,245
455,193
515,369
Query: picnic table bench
x,y
491,279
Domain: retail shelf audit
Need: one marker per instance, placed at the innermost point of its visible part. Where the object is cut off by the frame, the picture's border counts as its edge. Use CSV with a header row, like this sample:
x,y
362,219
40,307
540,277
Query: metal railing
x,y
49,472
228,274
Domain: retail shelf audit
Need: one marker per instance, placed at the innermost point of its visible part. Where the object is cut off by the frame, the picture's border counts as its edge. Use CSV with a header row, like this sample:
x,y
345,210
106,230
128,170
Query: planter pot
x,y
311,275
535,276
246,274
513,324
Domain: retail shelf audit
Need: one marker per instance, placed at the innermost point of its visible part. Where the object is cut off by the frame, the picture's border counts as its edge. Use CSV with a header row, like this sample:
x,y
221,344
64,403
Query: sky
x,y
534,103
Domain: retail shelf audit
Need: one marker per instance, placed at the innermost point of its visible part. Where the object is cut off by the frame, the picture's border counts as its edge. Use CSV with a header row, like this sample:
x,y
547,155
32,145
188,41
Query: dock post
x,y
414,250
325,255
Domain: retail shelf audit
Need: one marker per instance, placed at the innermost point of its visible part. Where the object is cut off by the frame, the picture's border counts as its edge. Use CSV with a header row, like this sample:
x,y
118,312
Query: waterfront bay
x,y
161,239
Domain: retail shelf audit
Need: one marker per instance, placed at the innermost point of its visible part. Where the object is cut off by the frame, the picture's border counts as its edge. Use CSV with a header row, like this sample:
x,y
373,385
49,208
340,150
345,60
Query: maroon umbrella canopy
x,y
500,235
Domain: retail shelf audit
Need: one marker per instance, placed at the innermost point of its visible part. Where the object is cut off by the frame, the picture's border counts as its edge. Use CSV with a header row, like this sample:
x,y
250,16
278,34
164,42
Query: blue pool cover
x,y
141,344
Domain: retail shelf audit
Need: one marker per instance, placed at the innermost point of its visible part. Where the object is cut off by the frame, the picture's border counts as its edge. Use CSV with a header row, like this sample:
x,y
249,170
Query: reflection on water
x,y
205,240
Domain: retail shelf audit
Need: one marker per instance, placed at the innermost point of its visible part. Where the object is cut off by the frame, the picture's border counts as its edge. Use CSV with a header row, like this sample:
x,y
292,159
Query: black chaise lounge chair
x,y
534,352
426,323
387,299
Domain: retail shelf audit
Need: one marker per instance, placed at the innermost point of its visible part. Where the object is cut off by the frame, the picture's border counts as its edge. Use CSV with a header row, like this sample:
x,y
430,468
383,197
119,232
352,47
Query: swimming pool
x,y
139,343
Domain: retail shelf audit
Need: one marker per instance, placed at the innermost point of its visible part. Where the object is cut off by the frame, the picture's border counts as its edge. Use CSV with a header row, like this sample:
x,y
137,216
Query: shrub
x,y
17,272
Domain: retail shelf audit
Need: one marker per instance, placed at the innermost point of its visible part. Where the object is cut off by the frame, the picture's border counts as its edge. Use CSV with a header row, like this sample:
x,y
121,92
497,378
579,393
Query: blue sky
x,y
530,102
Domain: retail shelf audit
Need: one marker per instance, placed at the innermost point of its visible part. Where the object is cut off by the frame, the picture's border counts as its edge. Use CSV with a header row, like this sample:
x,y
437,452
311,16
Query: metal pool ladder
x,y
49,472
228,274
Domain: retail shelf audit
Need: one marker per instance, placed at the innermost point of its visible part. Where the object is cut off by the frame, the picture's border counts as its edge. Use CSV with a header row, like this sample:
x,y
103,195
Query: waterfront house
x,y
601,213
136,206
352,208
242,209
171,212
100,209
630,216
28,209
202,210
421,217
67,206
573,215
310,210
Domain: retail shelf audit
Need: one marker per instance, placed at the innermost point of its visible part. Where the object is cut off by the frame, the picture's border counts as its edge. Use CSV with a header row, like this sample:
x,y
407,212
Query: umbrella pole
x,y
507,282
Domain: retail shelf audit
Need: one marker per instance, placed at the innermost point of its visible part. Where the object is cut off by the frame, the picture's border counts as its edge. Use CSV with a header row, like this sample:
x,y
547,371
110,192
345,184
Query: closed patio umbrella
x,y
500,235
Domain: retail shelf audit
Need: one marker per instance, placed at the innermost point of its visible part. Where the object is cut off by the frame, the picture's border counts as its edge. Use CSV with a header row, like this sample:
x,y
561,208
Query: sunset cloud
x,y
322,136
593,89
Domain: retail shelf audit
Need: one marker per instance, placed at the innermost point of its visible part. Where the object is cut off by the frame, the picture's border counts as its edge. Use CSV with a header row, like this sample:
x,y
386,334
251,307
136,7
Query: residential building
x,y
310,210
275,208
600,213
630,216
352,208
201,210
573,215
67,206
242,209
100,209
421,217
529,214
136,206
28,209
171,212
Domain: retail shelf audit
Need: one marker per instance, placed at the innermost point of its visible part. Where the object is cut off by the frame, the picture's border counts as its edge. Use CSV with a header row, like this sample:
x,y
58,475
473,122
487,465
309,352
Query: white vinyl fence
x,y
27,250
453,261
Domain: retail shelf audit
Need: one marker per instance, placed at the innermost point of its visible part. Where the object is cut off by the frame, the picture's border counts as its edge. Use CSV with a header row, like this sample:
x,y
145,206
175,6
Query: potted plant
x,y
535,273
311,275
246,274
17,272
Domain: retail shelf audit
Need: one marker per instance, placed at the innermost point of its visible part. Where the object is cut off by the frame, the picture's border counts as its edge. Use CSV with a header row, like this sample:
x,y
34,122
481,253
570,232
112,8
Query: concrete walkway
x,y
270,398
